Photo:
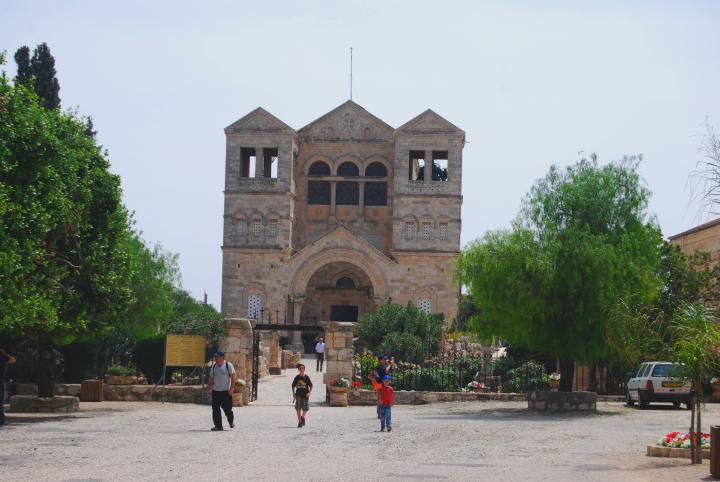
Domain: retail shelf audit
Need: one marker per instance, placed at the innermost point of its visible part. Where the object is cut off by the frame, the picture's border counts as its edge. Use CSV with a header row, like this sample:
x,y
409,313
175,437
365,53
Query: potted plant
x,y
338,389
554,379
119,375
238,396
715,384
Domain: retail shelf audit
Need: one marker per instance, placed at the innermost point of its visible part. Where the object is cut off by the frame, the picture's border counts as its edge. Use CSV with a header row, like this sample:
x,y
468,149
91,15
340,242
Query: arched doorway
x,y
337,291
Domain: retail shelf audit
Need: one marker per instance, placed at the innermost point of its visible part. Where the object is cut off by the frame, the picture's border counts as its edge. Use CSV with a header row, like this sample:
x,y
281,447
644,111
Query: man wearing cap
x,y
222,383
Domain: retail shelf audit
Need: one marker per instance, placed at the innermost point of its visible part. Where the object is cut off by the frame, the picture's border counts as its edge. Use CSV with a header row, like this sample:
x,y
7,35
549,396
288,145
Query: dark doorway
x,y
344,313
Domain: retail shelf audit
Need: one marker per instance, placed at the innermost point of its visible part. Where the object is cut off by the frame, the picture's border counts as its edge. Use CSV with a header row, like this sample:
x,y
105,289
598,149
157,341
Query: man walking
x,y
301,388
222,382
320,353
5,360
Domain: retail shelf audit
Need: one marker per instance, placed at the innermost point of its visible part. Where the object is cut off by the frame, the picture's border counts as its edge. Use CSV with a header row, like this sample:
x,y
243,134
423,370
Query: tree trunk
x,y
692,430
567,371
698,433
592,379
46,368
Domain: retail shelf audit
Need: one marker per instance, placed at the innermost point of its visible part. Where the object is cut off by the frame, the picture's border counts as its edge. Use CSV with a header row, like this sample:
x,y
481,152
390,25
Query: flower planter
x,y
338,396
673,452
120,380
715,396
237,399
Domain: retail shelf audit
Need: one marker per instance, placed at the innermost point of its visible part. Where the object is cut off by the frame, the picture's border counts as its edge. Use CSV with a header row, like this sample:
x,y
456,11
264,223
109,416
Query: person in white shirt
x,y
222,383
320,352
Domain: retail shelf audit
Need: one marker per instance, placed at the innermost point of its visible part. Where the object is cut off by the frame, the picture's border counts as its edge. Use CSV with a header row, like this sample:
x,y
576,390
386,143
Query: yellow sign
x,y
184,351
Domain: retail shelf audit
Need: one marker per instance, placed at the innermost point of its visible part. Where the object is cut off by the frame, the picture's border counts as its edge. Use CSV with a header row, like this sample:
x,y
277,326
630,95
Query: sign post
x,y
183,351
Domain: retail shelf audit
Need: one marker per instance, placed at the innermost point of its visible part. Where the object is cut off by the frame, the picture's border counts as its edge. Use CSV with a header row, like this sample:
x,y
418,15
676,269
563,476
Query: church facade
x,y
346,213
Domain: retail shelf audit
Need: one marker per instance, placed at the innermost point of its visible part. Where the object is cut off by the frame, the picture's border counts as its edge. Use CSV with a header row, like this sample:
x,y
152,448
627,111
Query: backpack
x,y
228,365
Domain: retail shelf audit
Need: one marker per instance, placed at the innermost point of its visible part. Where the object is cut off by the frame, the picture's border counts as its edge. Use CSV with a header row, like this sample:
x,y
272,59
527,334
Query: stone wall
x,y
338,350
369,397
562,401
238,348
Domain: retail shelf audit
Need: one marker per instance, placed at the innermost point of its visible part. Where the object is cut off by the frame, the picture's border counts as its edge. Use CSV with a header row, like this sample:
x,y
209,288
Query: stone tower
x,y
329,221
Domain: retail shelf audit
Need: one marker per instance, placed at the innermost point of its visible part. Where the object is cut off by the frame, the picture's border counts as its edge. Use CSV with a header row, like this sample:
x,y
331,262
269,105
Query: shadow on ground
x,y
517,414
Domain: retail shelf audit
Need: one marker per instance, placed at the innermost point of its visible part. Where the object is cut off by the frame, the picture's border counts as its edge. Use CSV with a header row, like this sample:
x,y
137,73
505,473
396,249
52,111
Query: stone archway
x,y
358,259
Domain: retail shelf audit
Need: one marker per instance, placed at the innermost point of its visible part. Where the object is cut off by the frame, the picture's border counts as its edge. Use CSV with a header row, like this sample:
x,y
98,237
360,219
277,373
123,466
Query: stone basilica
x,y
327,222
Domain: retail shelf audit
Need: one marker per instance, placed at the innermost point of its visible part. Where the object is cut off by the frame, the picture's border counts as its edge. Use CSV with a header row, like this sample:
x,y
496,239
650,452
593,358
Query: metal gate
x,y
256,364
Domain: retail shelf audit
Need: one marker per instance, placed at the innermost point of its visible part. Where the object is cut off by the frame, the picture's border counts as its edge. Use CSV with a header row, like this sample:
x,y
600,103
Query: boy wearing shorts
x,y
301,388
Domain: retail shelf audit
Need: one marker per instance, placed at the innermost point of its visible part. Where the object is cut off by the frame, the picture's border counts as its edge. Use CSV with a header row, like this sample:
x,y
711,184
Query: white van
x,y
658,381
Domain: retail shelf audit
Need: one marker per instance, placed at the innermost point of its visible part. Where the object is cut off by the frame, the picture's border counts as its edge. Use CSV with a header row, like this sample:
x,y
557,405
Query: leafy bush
x,y
118,370
148,357
529,377
405,332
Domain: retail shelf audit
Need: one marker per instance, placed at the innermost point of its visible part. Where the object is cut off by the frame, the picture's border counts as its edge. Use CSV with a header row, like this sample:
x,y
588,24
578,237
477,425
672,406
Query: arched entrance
x,y
338,291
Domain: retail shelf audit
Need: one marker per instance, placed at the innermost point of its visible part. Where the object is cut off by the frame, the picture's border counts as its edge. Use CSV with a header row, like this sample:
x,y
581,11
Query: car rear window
x,y
647,370
666,370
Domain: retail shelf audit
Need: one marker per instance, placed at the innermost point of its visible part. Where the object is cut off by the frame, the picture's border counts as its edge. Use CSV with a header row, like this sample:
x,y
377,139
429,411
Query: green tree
x,y
63,271
46,84
637,331
22,59
39,72
405,332
694,345
582,241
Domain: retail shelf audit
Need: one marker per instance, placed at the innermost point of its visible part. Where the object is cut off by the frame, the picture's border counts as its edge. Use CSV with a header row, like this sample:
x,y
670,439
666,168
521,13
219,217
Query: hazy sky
x,y
532,84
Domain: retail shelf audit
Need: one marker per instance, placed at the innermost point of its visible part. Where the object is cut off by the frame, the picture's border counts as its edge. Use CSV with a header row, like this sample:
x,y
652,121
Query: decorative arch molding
x,y
239,216
309,266
344,274
273,215
346,158
305,168
255,214
377,158
410,218
427,218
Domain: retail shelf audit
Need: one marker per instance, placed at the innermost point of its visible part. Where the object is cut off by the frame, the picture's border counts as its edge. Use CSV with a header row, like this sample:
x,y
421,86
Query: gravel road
x,y
452,441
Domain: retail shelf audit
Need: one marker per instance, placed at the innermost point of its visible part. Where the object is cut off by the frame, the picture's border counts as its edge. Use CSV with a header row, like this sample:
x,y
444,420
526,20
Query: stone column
x,y
361,204
333,185
338,349
428,166
275,362
238,348
259,162
295,339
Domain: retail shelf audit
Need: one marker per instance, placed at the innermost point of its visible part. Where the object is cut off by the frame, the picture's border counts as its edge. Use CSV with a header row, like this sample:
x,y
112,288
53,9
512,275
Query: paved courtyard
x,y
470,441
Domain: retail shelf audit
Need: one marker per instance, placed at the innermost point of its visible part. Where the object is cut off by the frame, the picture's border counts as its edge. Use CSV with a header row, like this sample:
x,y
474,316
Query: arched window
x,y
319,192
319,168
376,169
376,193
345,282
347,193
348,169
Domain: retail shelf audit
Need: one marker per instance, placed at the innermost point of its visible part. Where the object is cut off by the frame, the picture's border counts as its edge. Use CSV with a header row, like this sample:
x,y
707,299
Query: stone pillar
x,y
275,362
428,166
259,162
333,186
338,349
238,348
361,204
296,340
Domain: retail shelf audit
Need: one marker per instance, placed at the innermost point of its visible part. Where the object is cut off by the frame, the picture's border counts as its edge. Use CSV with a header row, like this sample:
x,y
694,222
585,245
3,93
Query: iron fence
x,y
460,371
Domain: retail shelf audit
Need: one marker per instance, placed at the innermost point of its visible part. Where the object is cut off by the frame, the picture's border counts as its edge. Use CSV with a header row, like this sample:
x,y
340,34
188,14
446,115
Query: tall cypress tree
x,y
22,59
47,87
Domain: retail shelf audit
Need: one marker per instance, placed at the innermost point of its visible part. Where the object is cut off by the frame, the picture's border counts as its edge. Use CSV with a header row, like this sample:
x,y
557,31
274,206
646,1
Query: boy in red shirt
x,y
387,396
